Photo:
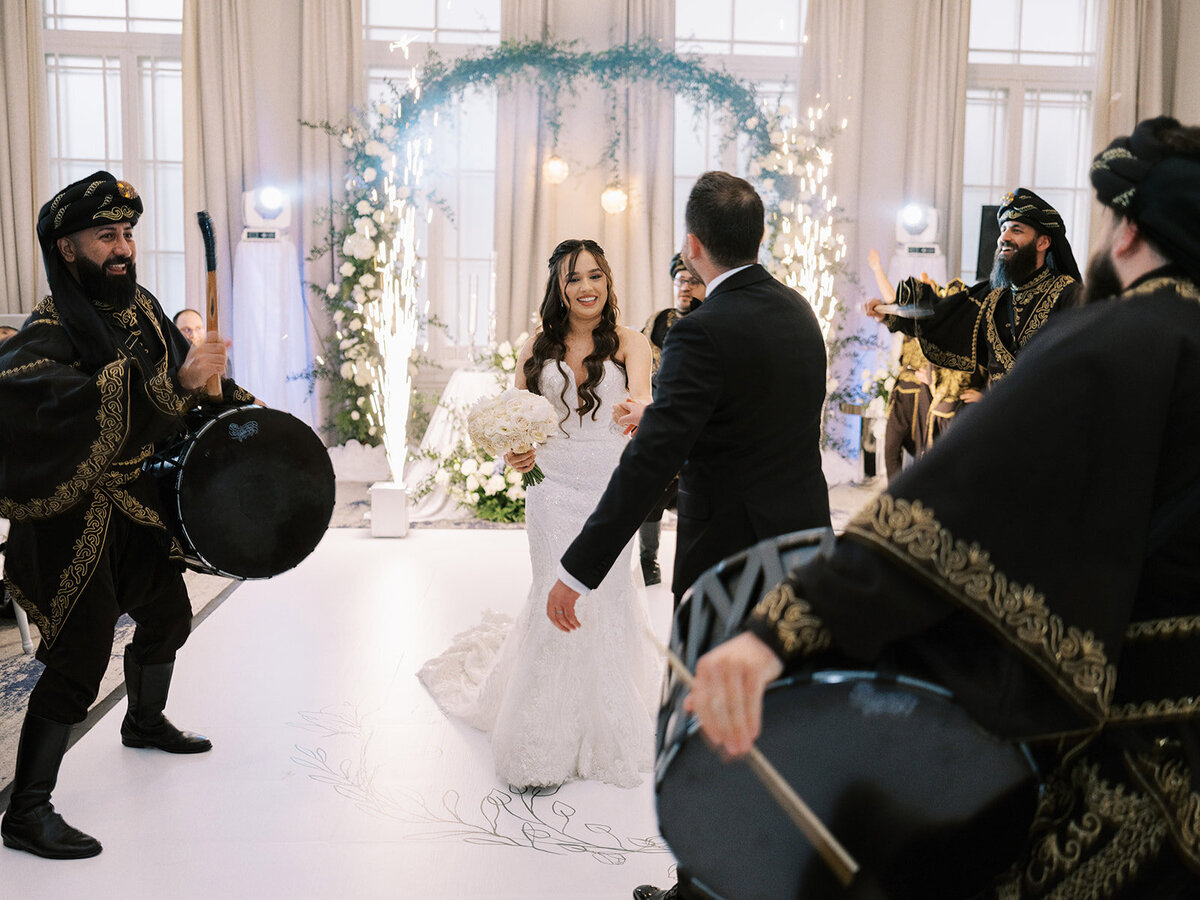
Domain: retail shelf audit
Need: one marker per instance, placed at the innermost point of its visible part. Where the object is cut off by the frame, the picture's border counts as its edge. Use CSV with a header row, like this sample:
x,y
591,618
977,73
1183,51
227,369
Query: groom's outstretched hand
x,y
560,607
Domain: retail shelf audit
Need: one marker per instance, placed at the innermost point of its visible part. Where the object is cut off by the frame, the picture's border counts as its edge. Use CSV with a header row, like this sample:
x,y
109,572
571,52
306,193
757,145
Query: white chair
x,y
22,618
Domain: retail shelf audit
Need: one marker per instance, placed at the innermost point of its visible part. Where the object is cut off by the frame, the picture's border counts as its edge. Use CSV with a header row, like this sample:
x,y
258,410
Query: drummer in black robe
x,y
92,386
1056,595
983,328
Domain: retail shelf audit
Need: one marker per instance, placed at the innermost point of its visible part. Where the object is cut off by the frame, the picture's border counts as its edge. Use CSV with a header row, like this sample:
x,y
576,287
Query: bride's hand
x,y
628,413
522,462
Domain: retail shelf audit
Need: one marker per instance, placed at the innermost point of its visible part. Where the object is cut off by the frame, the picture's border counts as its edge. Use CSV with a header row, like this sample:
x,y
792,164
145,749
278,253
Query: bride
x,y
562,705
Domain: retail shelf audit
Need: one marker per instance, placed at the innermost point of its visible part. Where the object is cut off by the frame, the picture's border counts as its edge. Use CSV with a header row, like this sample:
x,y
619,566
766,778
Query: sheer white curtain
x,y
933,170
23,153
533,215
832,72
1129,87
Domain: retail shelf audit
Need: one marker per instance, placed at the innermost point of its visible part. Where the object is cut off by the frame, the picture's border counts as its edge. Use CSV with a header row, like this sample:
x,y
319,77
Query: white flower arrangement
x,y
515,422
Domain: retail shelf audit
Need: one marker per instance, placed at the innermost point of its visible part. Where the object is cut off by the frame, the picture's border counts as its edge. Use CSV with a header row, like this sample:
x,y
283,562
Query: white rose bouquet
x,y
515,422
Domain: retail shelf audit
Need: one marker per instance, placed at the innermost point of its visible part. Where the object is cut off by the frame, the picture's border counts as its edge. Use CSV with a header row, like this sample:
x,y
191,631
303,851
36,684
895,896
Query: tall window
x,y
114,92
458,238
1031,68
757,42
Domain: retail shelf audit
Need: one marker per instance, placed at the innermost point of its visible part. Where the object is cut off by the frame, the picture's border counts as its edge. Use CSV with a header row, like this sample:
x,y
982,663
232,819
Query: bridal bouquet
x,y
515,422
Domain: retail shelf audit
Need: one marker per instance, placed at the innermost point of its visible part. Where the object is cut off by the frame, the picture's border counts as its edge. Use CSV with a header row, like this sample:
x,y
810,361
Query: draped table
x,y
445,430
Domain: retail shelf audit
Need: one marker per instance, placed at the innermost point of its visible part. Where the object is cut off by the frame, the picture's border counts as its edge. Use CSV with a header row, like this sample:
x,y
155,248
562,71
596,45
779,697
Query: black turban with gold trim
x,y
677,265
1157,186
1023,205
99,199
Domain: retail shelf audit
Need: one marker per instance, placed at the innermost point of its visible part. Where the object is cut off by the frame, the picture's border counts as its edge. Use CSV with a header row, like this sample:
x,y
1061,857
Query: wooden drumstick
x,y
842,864
213,387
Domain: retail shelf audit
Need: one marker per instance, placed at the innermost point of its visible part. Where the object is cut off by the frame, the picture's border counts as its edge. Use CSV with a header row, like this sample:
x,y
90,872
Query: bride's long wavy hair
x,y
551,341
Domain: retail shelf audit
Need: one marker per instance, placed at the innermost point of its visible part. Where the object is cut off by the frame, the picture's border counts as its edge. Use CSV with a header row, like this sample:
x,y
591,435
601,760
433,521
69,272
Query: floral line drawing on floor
x,y
517,817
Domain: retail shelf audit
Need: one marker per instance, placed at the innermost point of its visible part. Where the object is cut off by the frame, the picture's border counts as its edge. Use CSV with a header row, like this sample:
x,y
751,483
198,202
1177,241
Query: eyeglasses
x,y
688,280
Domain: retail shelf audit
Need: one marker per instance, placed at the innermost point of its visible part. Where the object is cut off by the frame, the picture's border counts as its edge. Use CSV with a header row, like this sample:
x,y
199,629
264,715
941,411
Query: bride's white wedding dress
x,y
562,705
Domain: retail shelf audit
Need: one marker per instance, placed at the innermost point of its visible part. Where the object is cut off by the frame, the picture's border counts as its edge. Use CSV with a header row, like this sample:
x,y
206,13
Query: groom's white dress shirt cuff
x,y
572,582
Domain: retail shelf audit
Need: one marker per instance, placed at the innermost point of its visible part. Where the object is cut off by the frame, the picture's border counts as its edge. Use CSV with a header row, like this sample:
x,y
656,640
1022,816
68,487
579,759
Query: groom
x,y
736,412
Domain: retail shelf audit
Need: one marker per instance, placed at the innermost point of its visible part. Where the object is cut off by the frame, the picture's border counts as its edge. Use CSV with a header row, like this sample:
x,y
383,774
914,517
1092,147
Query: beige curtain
x,y
522,216
219,153
533,215
933,170
23,153
331,84
1129,86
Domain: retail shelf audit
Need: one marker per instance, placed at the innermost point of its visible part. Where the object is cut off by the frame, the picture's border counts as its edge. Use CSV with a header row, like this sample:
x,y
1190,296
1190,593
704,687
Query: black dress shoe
x,y
650,892
651,574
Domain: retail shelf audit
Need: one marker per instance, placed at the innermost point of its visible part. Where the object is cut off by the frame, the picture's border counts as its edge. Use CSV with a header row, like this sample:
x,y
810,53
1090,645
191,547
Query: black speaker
x,y
989,233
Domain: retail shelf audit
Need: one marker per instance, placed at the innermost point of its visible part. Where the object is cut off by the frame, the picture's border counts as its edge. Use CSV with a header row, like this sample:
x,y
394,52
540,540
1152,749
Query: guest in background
x,y
689,293
191,325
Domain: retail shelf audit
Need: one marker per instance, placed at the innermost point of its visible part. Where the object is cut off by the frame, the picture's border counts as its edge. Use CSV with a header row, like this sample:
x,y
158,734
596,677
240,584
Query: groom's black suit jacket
x,y
736,413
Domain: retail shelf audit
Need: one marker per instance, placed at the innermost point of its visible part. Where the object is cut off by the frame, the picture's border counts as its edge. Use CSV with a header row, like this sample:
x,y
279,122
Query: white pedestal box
x,y
389,509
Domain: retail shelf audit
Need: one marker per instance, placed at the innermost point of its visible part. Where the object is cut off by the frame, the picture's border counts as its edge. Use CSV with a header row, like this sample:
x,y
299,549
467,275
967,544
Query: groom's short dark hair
x,y
725,214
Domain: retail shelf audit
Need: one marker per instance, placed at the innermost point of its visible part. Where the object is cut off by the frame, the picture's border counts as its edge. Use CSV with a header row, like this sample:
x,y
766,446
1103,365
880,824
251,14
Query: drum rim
x,y
193,439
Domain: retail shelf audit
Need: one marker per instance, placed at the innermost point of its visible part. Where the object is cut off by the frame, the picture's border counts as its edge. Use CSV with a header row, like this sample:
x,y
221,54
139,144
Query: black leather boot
x,y
144,724
648,541
31,824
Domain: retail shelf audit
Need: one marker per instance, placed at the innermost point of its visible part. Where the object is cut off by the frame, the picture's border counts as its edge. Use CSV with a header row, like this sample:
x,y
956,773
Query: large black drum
x,y
927,803
251,491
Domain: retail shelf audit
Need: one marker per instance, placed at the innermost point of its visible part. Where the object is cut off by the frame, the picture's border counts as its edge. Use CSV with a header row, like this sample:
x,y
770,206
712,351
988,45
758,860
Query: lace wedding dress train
x,y
558,705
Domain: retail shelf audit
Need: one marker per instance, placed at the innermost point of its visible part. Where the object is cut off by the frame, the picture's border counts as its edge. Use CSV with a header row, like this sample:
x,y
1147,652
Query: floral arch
x,y
369,357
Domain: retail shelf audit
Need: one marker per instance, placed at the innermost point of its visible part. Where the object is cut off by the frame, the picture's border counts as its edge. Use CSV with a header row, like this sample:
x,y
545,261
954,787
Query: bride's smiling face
x,y
585,287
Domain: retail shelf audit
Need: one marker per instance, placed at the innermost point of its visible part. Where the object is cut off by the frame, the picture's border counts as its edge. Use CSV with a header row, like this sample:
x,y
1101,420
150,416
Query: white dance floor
x,y
333,774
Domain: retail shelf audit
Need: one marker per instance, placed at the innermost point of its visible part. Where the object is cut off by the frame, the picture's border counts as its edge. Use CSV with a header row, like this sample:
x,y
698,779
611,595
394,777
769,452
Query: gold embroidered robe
x,y
72,447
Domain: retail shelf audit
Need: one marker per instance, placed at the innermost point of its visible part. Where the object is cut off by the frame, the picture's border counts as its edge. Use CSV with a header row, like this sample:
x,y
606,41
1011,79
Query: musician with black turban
x,y
688,291
1055,594
982,329
92,386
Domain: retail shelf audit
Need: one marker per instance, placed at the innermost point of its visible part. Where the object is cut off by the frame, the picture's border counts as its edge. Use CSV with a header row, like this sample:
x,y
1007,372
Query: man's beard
x,y
1016,269
115,291
1101,281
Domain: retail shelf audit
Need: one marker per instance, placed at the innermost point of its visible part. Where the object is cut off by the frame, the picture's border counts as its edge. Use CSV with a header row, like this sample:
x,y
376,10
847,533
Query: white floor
x,y
333,774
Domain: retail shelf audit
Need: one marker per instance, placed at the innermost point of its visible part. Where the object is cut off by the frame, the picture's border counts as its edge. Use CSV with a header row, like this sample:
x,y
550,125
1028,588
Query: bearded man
x,y
1056,595
94,384
982,329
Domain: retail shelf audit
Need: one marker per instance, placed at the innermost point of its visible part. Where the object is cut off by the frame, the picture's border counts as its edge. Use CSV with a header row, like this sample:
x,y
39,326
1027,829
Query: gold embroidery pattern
x,y
116,213
1151,711
1183,288
83,562
800,632
135,509
1047,294
27,368
112,416
1073,658
1175,627
1091,839
1169,779
45,307
241,395
161,391
19,598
